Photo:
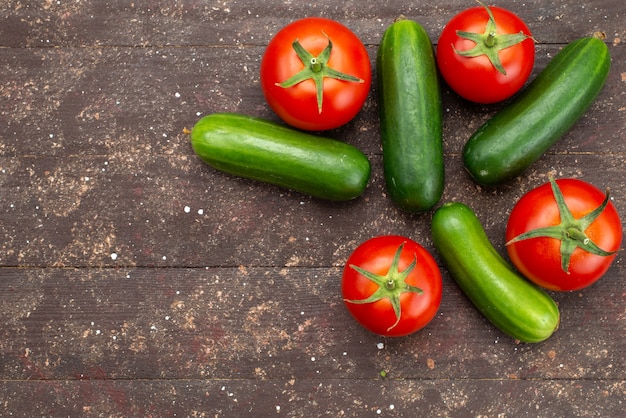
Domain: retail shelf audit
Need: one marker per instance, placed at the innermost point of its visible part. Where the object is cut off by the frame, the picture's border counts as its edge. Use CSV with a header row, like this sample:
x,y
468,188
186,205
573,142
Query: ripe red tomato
x,y
391,285
563,235
485,54
316,74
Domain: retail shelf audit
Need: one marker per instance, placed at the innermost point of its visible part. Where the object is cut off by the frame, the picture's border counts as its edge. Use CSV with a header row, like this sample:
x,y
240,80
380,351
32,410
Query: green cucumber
x,y
411,117
261,150
513,304
519,134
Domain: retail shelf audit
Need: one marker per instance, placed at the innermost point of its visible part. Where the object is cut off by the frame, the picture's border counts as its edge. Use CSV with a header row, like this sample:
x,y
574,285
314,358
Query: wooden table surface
x,y
137,281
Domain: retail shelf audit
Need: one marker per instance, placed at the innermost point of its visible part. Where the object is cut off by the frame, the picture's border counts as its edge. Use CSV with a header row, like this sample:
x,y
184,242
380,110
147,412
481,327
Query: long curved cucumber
x,y
510,302
266,151
411,117
519,134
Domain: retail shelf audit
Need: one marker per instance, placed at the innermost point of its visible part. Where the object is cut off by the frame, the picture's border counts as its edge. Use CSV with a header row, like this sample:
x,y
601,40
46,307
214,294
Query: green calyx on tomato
x,y
390,286
316,69
571,231
490,43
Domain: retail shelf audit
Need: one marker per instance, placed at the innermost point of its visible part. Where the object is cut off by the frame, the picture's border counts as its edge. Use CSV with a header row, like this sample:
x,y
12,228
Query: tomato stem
x,y
489,43
390,286
577,235
316,66
490,40
316,69
571,231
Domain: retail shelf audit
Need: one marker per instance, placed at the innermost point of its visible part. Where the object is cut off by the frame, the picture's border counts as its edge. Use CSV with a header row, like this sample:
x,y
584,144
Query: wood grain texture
x,y
137,281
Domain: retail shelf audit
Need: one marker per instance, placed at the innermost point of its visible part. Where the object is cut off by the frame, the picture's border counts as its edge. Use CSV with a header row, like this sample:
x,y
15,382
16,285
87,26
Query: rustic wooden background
x,y
136,281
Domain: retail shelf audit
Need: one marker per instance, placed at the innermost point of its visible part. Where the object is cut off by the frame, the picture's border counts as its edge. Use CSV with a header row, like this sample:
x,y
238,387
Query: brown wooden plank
x,y
85,212
278,323
131,102
172,211
93,396
195,22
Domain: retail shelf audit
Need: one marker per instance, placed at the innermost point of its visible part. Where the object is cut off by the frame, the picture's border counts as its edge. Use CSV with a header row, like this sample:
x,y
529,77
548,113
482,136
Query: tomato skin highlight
x,y
297,105
475,78
417,310
539,259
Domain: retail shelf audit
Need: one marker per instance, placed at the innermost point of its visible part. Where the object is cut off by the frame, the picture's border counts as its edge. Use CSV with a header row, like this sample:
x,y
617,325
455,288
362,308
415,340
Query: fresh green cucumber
x,y
519,134
262,150
411,117
513,304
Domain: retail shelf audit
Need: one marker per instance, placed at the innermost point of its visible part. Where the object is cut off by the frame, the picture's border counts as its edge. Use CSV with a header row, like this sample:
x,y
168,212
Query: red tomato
x,y
562,236
473,45
319,95
391,285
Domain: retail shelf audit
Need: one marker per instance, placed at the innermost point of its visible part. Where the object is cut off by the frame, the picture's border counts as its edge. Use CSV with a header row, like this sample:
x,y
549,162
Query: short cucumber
x,y
263,150
411,117
519,134
513,304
